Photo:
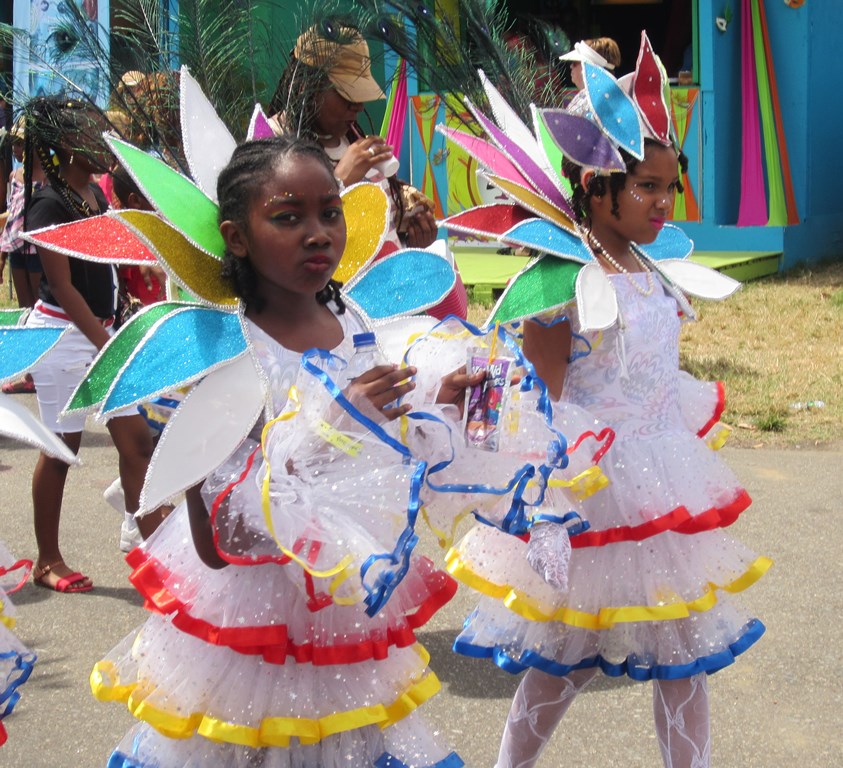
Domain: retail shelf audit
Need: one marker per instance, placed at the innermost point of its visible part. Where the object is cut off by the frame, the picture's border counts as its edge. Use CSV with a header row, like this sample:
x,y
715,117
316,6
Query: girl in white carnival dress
x,y
259,650
650,589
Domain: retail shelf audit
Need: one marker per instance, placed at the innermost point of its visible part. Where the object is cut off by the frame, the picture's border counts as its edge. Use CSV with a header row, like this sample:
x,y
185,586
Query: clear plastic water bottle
x,y
811,405
366,355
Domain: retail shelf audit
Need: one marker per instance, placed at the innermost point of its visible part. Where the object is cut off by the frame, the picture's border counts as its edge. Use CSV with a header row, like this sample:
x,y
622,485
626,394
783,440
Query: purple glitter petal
x,y
528,167
581,140
260,127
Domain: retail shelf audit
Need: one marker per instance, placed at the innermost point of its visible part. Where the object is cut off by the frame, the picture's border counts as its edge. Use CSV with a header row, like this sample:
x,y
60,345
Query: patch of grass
x,y
775,343
772,421
480,299
6,300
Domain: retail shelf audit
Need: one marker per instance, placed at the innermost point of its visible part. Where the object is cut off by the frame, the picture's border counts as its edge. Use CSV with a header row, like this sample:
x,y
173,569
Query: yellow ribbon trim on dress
x,y
719,438
532,610
6,621
332,435
343,565
585,484
273,731
446,538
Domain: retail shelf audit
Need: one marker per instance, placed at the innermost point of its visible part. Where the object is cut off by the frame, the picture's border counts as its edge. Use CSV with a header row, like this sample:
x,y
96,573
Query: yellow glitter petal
x,y
195,270
366,210
534,202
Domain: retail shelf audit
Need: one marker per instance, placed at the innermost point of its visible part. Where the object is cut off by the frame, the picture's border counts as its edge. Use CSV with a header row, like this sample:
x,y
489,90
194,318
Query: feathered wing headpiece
x,y
173,344
526,165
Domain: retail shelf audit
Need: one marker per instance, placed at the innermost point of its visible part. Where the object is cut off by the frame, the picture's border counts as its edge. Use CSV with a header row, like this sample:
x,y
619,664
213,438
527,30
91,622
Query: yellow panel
x,y
366,209
194,269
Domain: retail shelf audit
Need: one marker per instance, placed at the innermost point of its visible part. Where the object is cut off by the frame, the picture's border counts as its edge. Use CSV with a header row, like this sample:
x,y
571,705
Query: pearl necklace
x,y
621,269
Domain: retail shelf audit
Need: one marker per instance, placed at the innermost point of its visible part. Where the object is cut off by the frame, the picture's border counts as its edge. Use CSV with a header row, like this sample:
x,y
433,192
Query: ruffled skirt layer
x,y
144,747
257,665
651,583
274,610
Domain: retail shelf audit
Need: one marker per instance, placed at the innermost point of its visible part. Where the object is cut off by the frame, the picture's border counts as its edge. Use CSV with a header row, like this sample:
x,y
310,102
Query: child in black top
x,y
65,137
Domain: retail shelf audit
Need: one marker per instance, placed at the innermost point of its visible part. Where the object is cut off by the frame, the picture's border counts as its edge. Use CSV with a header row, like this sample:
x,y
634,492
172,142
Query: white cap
x,y
583,52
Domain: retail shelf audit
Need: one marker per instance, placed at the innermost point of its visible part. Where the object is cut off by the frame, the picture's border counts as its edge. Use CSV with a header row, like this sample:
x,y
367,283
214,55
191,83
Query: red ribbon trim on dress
x,y
679,520
719,407
149,577
27,568
606,436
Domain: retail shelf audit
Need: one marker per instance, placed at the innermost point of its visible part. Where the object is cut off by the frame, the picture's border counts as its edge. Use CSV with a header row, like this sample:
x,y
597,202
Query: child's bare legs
x,y
539,704
26,285
48,481
680,709
134,446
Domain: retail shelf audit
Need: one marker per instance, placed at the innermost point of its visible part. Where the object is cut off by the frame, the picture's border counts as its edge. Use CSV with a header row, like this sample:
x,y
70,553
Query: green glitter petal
x,y
554,155
94,387
11,316
174,196
547,283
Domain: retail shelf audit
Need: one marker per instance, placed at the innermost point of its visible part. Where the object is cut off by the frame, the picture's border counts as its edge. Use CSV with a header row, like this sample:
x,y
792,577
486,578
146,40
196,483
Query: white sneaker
x,y
114,496
130,535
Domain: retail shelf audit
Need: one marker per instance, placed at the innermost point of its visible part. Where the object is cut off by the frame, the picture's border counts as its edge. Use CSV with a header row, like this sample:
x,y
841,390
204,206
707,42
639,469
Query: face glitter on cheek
x,y
635,196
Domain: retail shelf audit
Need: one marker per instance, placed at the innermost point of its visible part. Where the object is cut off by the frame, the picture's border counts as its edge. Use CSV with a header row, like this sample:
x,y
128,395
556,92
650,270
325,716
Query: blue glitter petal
x,y
672,243
21,347
403,283
181,349
548,238
616,112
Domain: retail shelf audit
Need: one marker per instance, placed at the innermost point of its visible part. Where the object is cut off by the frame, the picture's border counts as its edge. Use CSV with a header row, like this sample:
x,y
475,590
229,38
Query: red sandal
x,y
65,583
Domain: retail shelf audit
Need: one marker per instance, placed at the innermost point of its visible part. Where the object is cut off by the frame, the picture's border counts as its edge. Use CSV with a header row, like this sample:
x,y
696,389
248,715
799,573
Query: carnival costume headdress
x,y
526,165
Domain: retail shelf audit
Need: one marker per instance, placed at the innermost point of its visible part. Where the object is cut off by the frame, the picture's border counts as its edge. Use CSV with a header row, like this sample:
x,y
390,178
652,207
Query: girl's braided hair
x,y
597,185
249,168
51,122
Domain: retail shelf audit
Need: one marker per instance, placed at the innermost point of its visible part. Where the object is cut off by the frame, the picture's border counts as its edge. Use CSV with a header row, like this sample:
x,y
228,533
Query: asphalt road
x,y
779,705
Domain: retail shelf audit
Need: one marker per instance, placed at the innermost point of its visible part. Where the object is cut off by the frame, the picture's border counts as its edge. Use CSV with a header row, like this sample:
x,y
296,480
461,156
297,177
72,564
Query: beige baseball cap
x,y
347,64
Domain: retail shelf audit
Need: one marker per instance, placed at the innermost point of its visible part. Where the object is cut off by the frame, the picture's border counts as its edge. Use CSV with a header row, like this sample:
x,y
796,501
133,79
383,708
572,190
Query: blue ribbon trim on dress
x,y
388,578
389,761
572,521
386,760
634,667
515,520
23,664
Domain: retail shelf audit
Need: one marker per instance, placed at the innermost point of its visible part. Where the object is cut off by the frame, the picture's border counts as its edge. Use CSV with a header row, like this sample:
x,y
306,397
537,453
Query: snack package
x,y
485,402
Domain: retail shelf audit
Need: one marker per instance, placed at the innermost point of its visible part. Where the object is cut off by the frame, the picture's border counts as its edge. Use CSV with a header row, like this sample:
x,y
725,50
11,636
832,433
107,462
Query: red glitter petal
x,y
100,238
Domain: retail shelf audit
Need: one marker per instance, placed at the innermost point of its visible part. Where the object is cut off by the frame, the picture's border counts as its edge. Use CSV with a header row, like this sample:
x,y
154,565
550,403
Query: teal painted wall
x,y
805,45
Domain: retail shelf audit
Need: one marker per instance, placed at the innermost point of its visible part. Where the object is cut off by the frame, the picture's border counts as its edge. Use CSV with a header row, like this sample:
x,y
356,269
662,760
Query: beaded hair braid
x,y
49,121
249,168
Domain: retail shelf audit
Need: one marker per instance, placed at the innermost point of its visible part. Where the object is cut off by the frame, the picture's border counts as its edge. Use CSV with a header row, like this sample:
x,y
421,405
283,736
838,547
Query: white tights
x,y
680,710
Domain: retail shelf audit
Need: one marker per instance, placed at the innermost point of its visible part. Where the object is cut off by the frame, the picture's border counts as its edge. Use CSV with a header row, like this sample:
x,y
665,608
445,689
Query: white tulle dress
x,y
273,660
16,661
652,582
